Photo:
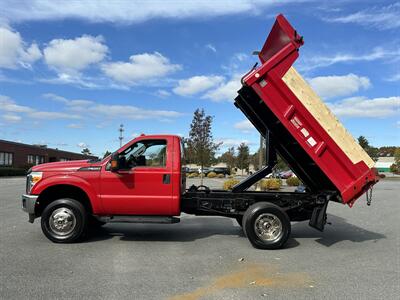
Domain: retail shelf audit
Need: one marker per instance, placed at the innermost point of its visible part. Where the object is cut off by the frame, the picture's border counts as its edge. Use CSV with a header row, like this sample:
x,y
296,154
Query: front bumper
x,y
28,205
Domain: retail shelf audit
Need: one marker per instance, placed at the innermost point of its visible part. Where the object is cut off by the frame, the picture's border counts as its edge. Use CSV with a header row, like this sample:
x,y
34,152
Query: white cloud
x,y
82,145
335,86
229,142
74,55
52,115
241,56
129,11
75,126
226,91
145,66
10,106
244,126
82,81
366,108
11,118
70,103
211,47
383,17
377,53
13,50
112,111
163,93
129,112
75,79
196,84
395,77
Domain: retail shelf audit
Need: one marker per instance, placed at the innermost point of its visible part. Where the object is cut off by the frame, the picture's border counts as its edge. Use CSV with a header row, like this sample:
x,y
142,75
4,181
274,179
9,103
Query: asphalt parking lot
x,y
357,257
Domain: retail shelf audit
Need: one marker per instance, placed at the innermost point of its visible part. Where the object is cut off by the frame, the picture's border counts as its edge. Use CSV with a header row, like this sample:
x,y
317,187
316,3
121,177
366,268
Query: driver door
x,y
144,185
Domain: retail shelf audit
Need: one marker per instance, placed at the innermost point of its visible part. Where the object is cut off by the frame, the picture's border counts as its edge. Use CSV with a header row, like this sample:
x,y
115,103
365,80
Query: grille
x,y
28,180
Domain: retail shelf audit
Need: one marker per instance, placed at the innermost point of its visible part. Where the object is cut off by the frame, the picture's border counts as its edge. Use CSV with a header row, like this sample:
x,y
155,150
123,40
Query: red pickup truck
x,y
145,181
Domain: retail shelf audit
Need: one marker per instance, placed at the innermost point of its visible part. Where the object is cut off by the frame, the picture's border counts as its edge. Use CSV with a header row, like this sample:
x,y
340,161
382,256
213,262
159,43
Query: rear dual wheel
x,y
266,226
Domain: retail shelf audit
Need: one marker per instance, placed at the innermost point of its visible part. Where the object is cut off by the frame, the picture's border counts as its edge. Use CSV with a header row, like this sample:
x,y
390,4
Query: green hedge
x,y
270,184
211,175
230,183
12,172
293,181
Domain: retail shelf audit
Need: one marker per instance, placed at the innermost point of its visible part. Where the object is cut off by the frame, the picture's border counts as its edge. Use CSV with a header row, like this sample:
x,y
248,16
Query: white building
x,y
383,163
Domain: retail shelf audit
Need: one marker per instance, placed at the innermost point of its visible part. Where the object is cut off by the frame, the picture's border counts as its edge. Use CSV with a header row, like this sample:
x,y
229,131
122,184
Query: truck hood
x,y
65,166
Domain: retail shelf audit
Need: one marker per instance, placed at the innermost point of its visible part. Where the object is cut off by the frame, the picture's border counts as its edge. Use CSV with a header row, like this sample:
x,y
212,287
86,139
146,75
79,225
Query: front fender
x,y
71,180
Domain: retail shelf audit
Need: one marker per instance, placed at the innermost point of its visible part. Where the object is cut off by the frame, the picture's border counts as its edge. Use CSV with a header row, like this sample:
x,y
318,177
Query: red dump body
x,y
351,178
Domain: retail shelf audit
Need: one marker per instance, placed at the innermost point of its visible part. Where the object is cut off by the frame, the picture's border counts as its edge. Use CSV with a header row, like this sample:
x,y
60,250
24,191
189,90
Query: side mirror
x,y
114,162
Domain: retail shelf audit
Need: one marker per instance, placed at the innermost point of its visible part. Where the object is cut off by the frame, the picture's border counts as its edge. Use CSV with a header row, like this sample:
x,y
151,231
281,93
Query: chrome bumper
x,y
28,205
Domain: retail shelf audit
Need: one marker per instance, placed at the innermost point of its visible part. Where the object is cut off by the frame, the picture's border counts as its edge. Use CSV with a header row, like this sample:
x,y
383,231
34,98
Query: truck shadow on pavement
x,y
339,230
191,229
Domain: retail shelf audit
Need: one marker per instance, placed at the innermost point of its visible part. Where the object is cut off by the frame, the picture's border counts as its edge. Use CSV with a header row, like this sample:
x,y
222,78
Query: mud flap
x,y
318,217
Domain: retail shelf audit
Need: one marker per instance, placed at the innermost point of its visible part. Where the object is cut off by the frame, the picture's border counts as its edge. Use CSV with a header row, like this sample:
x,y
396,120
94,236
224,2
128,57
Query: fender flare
x,y
70,180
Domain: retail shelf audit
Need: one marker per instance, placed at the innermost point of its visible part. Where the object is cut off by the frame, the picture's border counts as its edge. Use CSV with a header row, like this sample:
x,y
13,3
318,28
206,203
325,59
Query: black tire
x,y
71,214
239,220
270,219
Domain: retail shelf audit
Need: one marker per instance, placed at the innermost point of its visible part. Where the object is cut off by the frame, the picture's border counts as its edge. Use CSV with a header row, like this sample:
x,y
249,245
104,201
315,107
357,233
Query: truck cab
x,y
147,179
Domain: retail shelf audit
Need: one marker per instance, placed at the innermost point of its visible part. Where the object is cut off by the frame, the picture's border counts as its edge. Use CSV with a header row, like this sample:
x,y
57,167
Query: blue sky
x,y
71,72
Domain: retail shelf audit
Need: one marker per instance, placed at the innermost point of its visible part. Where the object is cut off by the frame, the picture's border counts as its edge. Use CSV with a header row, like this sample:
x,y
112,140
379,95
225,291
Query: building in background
x,y
23,156
383,163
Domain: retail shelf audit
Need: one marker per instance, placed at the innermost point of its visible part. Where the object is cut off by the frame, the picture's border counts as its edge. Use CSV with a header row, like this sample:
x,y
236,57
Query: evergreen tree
x,y
243,157
107,153
201,147
372,151
229,157
86,151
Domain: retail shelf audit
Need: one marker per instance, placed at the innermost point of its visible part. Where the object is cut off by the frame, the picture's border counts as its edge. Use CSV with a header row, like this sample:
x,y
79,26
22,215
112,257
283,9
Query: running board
x,y
138,219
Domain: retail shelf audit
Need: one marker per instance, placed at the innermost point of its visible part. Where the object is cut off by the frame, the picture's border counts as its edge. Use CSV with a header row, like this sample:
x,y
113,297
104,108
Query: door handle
x,y
166,179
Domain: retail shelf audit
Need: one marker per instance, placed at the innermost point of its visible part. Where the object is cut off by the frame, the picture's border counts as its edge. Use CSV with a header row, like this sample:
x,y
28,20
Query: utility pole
x,y
260,153
121,137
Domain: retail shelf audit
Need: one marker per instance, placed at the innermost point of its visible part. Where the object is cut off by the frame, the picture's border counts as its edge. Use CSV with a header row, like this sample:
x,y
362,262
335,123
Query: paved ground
x,y
357,257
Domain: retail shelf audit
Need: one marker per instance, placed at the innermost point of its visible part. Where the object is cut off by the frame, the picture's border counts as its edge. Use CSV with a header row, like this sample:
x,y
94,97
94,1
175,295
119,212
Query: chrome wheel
x,y
268,227
62,221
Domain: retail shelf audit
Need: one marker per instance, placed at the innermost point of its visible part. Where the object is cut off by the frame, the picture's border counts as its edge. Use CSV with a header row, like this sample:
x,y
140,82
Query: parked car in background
x,y
193,170
285,174
300,189
222,170
205,170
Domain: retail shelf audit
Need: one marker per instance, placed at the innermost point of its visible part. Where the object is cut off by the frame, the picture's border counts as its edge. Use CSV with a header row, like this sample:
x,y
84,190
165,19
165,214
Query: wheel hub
x,y
62,221
268,227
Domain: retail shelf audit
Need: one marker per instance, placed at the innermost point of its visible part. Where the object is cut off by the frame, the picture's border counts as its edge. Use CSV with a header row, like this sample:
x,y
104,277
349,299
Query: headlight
x,y
32,179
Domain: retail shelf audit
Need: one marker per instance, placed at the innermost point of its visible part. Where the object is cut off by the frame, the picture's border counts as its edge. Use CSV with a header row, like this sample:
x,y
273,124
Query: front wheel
x,y
64,221
266,226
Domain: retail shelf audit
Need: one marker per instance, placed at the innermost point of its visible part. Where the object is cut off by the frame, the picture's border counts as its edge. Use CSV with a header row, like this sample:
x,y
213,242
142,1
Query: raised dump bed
x,y
306,134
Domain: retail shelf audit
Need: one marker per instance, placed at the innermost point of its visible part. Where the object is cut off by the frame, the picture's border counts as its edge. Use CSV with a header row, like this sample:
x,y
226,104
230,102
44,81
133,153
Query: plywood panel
x,y
326,118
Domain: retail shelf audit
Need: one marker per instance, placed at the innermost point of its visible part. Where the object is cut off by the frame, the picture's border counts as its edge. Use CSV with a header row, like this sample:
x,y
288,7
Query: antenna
x,y
121,137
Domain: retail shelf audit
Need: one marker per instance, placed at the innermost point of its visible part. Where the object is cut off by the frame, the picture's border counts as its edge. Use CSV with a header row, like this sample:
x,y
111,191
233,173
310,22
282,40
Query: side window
x,y
156,154
151,153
